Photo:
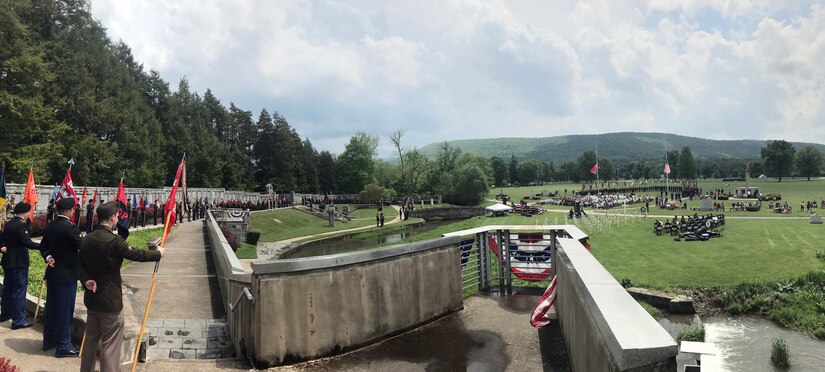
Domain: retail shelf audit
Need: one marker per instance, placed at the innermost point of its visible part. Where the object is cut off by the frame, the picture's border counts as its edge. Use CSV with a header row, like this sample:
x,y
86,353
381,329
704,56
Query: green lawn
x,y
247,251
748,251
291,223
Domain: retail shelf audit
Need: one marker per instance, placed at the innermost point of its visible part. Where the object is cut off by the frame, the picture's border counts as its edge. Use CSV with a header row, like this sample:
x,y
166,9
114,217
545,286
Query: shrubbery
x,y
252,236
230,238
797,304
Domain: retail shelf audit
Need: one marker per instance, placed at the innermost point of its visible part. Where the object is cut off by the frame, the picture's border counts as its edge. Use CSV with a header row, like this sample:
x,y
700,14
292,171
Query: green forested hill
x,y
68,91
615,146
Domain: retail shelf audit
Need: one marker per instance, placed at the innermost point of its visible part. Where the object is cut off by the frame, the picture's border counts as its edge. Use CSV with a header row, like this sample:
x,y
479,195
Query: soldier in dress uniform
x,y
15,262
155,213
90,216
50,211
98,269
59,247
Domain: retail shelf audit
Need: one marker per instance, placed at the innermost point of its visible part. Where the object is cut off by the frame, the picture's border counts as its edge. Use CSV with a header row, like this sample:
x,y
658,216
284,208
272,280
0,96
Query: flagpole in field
x,y
170,211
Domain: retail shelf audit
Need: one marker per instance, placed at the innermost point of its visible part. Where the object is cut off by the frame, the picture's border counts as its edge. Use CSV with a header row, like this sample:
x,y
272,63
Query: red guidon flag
x,y
30,195
595,168
539,317
66,190
122,211
83,200
169,210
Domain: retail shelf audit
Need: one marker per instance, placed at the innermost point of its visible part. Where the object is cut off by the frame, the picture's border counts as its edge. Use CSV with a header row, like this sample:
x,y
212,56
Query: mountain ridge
x,y
618,146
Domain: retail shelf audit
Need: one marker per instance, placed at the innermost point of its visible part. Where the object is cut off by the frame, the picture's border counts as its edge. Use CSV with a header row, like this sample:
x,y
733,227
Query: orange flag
x,y
30,195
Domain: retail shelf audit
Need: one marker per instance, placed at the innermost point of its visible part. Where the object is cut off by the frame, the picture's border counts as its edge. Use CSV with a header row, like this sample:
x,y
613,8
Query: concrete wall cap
x,y
345,259
631,335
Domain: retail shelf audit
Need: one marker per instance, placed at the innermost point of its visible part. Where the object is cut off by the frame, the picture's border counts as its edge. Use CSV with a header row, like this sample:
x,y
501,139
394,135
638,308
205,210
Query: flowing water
x,y
744,342
347,244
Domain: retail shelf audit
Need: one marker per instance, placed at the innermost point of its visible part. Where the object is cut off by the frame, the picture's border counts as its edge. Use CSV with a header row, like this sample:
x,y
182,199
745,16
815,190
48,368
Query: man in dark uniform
x,y
15,262
59,247
98,269
90,216
143,212
155,213
50,211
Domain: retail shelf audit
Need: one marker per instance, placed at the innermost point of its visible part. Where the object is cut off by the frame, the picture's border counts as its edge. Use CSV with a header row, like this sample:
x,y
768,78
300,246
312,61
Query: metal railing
x,y
509,257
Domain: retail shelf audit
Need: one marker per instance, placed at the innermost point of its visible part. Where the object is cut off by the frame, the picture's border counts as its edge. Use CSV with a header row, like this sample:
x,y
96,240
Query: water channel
x,y
744,342
348,244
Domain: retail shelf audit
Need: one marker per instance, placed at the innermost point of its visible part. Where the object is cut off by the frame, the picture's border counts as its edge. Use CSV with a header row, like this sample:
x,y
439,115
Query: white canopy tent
x,y
499,209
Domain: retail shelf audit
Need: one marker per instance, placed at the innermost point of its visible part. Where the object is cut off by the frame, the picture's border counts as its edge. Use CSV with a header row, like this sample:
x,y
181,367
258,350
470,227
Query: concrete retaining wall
x,y
312,307
232,280
604,328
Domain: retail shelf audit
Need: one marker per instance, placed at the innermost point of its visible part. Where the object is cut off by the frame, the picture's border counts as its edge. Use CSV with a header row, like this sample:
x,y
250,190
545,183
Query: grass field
x,y
290,223
794,191
247,251
749,251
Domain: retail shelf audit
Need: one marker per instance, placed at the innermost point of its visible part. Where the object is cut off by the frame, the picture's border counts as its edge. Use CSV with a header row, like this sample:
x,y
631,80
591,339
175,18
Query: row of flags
x,y
595,168
66,190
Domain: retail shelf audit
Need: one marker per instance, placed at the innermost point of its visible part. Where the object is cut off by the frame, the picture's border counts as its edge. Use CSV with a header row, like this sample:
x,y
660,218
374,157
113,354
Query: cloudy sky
x,y
722,69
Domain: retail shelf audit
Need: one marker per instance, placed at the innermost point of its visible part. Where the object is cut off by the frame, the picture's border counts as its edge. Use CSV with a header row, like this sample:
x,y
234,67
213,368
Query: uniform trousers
x,y
103,331
57,319
14,296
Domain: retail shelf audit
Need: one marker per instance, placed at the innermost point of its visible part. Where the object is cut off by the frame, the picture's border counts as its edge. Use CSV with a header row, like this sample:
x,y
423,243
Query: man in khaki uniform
x,y
101,255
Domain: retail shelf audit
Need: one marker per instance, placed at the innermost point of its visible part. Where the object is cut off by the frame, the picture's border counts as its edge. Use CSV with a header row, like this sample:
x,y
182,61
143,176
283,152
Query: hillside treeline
x,y
68,91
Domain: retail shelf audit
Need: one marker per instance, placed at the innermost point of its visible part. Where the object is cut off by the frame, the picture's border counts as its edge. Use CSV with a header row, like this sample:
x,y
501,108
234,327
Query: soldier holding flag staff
x,y
15,262
101,255
59,248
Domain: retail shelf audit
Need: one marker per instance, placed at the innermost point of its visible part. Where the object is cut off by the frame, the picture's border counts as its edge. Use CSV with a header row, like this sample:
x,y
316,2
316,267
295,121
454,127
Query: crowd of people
x,y
599,201
691,228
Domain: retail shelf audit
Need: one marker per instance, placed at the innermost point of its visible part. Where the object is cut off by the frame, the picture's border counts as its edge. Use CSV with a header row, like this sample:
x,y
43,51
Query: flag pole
x,y
165,235
597,167
151,294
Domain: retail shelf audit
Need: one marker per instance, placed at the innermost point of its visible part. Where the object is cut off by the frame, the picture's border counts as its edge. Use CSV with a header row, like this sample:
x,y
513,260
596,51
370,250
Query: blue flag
x,y
54,193
134,200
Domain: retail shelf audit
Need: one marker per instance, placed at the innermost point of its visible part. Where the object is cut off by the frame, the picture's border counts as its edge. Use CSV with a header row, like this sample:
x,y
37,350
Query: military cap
x,y
106,210
65,204
21,208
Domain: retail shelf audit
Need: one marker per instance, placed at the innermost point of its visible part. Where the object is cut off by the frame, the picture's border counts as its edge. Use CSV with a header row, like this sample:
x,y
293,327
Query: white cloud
x,y
476,69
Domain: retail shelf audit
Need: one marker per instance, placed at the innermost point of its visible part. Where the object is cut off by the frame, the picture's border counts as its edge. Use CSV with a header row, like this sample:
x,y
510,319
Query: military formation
x,y
94,260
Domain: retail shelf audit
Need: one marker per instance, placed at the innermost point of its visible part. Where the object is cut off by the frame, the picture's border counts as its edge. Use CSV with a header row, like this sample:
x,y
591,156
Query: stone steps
x,y
188,339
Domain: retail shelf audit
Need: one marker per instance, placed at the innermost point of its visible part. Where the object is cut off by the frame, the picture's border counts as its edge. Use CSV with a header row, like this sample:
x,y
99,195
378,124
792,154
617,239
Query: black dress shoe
x,y
63,354
27,325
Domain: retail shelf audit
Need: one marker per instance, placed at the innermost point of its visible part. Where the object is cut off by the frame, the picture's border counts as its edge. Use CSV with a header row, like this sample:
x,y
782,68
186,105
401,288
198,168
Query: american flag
x,y
667,168
595,168
539,317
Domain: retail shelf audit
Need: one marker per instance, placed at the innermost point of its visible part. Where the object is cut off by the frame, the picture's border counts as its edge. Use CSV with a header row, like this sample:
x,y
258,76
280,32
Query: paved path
x,y
186,319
